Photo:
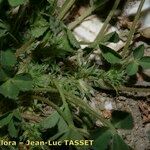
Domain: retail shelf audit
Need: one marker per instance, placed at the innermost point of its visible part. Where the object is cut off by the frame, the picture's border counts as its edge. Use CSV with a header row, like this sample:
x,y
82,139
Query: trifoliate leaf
x,y
14,3
73,40
7,58
12,129
13,86
145,62
122,120
132,68
110,55
103,137
138,52
119,144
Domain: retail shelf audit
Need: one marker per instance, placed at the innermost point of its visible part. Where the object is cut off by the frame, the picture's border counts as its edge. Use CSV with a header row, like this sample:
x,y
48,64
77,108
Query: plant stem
x,y
122,89
47,89
68,117
105,25
77,101
19,19
132,89
72,25
128,89
65,8
48,102
132,30
88,12
23,48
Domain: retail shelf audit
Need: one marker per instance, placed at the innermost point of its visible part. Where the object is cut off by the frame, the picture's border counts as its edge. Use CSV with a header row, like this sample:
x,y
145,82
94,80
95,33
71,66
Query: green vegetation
x,y
42,64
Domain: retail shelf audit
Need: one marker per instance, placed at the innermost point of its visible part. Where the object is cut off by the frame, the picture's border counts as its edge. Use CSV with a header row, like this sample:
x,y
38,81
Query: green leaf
x,y
39,27
3,28
50,121
68,114
119,144
103,137
145,62
138,52
38,31
62,125
9,120
64,44
73,40
111,37
8,89
7,58
12,129
5,119
3,75
17,115
132,68
72,134
97,3
122,120
110,55
23,82
13,86
14,3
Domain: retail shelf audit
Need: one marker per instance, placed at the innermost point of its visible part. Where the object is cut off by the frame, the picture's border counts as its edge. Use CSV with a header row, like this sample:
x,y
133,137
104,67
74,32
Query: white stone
x,y
108,105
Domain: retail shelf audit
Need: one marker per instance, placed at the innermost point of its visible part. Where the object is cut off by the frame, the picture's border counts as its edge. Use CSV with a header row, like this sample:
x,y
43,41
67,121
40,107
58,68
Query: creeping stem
x,y
105,25
132,30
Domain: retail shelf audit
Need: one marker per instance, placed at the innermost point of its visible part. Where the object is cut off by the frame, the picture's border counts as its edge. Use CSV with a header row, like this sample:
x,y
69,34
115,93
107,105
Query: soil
x,y
138,138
